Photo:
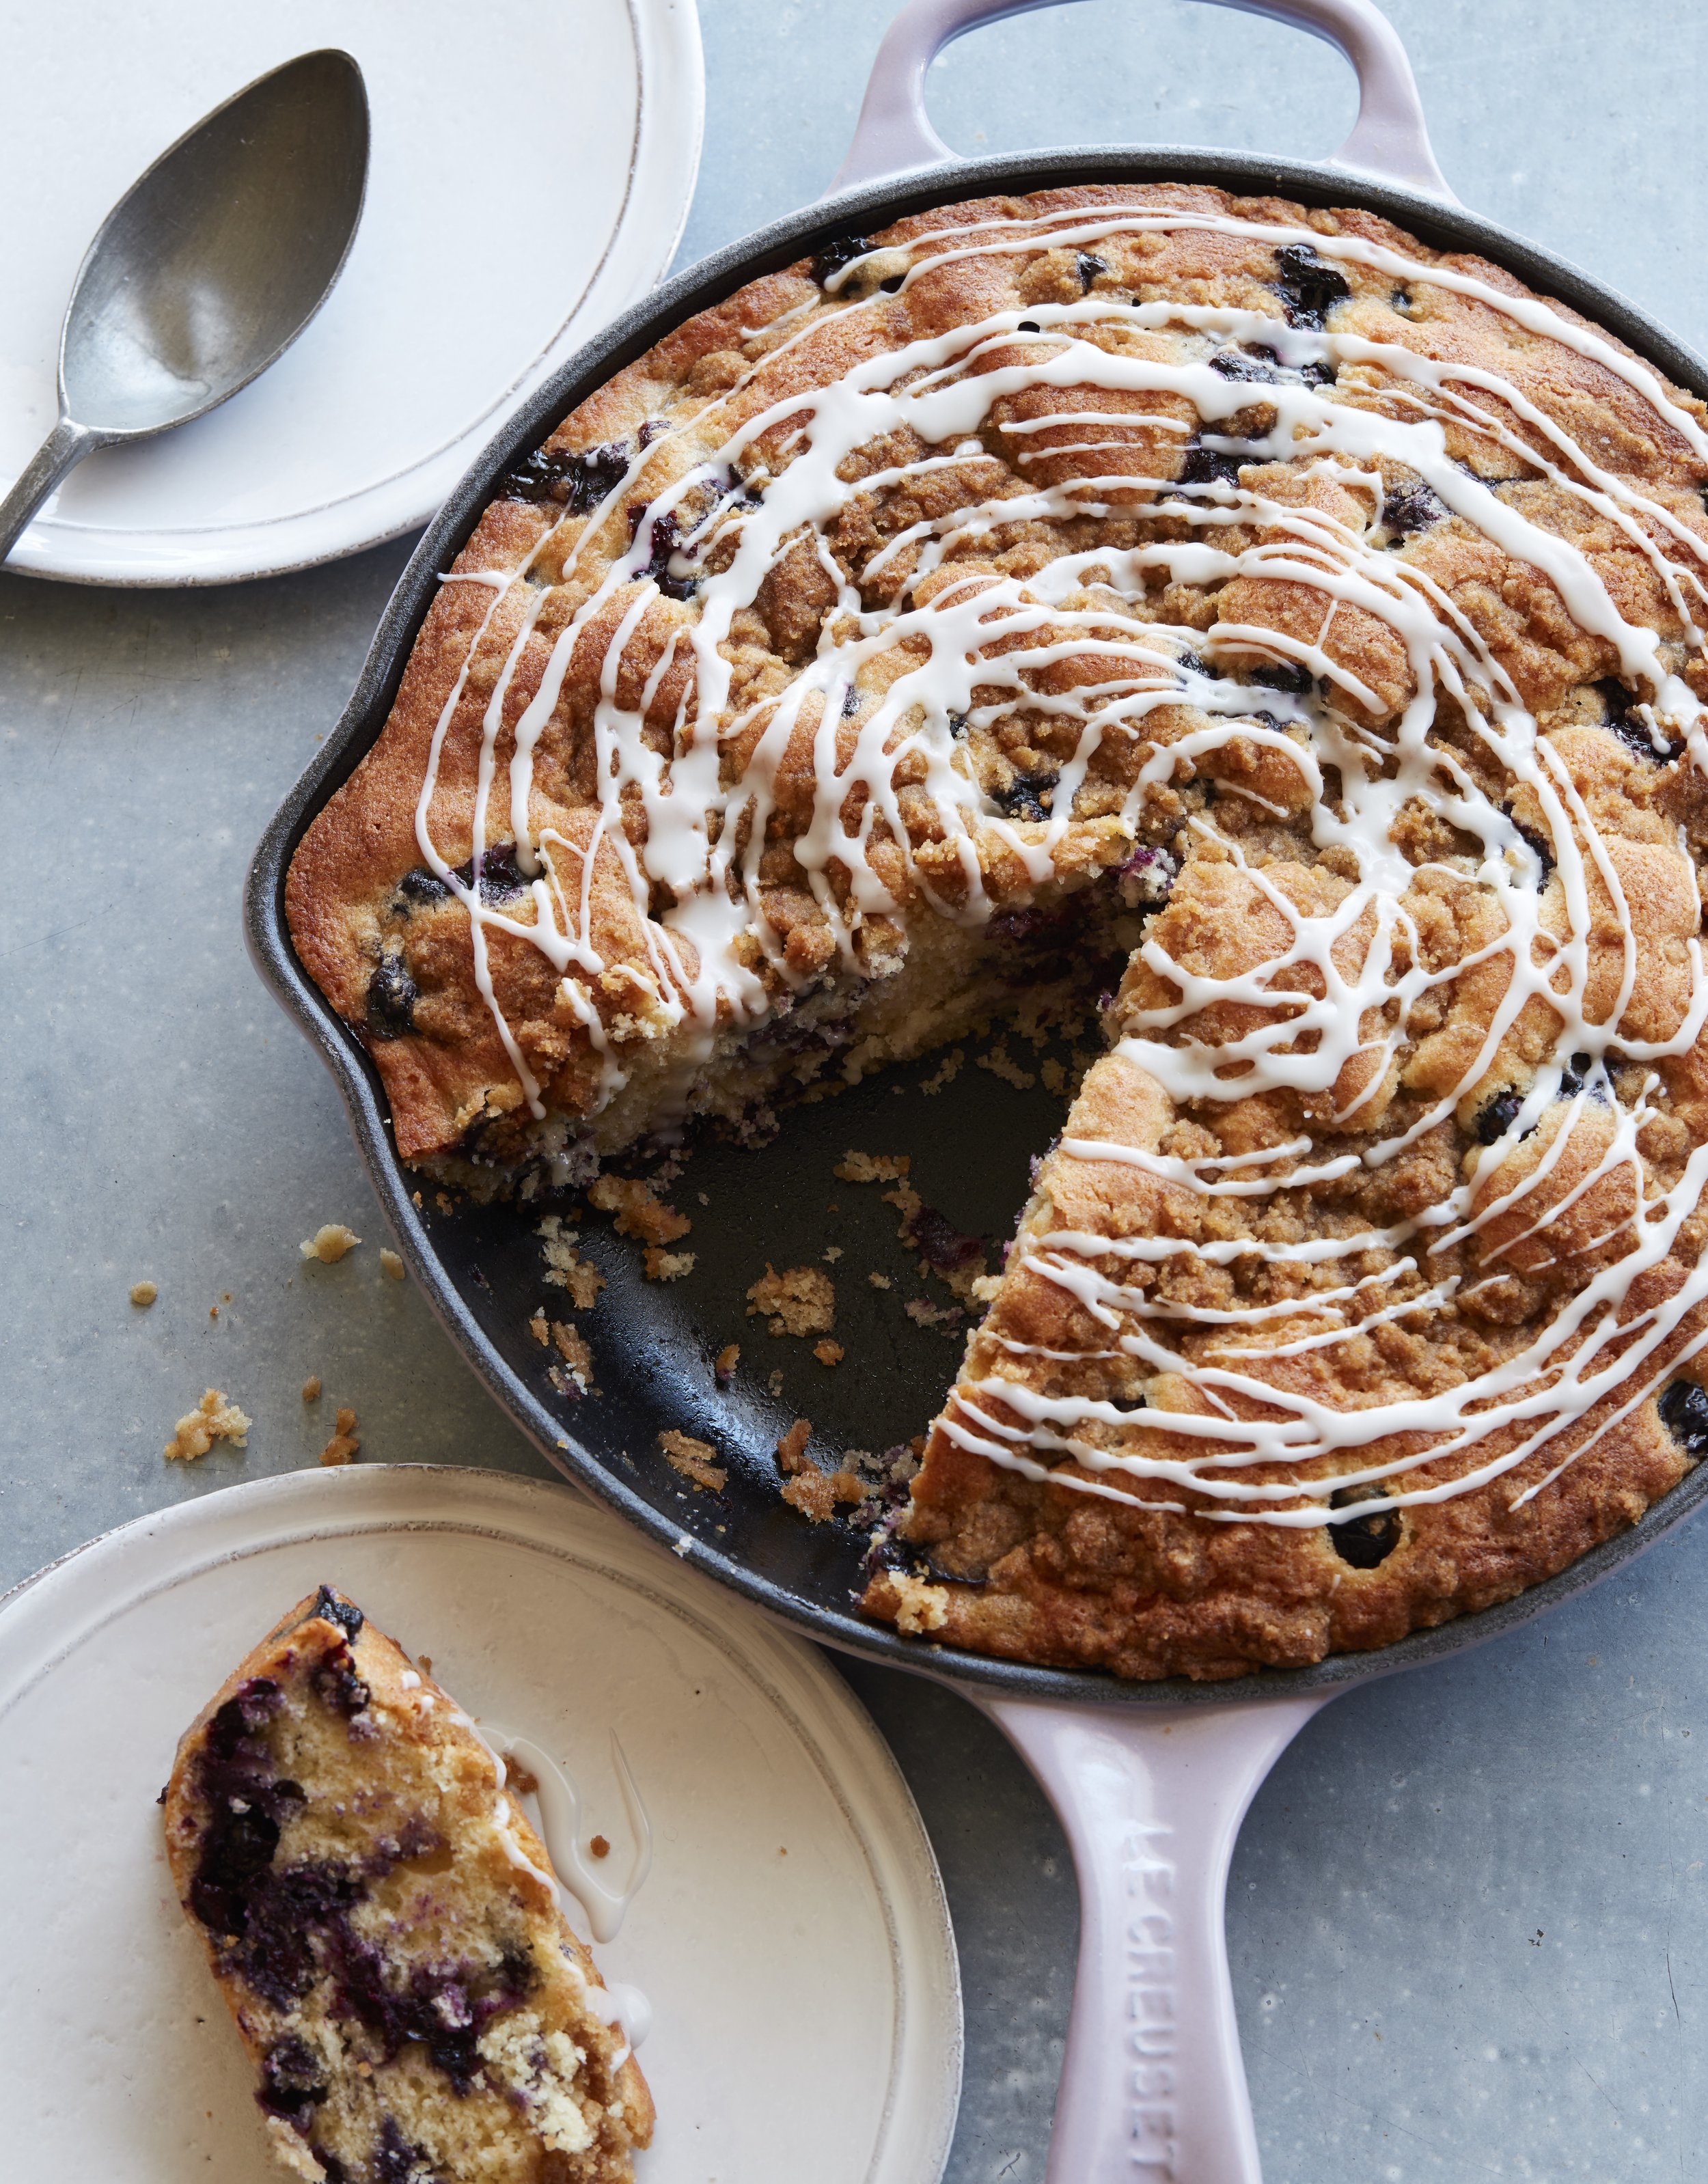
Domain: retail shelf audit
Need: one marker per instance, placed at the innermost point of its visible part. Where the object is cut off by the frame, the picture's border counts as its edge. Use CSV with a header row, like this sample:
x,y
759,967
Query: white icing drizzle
x,y
898,677
559,1810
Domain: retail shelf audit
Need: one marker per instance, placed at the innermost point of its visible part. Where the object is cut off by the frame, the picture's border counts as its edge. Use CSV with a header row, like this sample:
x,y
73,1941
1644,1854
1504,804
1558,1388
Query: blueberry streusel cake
x,y
382,1921
1309,624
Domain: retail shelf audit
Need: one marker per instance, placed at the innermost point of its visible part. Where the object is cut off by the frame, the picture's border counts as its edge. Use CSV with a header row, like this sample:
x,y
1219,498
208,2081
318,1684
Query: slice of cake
x,y
383,1924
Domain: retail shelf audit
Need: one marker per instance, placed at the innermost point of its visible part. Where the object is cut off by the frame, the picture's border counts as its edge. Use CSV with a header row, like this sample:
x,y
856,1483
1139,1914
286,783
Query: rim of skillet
x,y
1433,221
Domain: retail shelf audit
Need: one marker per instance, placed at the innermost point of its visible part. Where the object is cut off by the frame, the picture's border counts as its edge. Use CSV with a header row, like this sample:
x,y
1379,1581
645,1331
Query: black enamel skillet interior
x,y
654,1344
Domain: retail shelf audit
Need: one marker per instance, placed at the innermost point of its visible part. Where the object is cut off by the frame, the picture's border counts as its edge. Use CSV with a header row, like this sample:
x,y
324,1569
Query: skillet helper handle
x,y
1389,138
1153,2087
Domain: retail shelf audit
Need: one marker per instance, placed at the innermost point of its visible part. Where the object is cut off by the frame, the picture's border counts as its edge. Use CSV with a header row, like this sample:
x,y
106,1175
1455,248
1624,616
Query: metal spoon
x,y
209,267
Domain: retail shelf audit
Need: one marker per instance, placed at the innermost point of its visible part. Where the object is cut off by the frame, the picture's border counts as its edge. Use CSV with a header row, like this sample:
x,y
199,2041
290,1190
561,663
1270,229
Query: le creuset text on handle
x,y
1151,1798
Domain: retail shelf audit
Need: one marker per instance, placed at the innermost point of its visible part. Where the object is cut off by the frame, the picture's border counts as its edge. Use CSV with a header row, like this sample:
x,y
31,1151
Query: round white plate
x,y
792,1937
531,167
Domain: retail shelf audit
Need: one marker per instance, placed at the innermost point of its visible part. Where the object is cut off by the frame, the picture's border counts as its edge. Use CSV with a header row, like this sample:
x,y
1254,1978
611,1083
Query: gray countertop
x,y
1467,1918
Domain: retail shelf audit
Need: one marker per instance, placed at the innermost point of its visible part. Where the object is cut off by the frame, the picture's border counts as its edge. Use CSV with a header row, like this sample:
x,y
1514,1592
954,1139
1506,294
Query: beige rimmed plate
x,y
792,1937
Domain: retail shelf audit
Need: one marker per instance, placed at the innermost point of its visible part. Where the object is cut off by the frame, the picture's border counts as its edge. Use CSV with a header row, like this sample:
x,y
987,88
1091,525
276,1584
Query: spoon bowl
x,y
209,267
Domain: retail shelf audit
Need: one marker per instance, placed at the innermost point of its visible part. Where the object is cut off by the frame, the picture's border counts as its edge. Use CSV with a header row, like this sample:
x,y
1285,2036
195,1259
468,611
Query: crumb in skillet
x,y
693,1459
872,1167
638,1213
724,1364
667,1266
829,1352
800,1300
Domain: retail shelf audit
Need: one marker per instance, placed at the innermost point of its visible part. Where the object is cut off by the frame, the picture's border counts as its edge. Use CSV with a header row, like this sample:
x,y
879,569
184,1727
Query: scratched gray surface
x,y
1467,1917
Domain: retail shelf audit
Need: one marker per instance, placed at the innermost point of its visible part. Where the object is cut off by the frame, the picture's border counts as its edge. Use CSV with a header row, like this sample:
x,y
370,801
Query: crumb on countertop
x,y
638,1213
829,1352
344,1444
391,1263
872,1167
800,1300
311,1389
330,1242
143,1293
693,1459
215,1417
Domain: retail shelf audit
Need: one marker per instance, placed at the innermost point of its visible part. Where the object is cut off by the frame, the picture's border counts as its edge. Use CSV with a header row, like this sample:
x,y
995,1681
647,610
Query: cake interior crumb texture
x,y
380,1920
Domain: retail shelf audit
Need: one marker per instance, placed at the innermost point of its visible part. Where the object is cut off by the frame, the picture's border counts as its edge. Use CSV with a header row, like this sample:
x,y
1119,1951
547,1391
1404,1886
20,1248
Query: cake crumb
x,y
539,1330
931,1315
921,1607
566,1269
1054,1076
518,1777
879,1281
724,1364
829,1352
800,1300
1000,1063
600,1846
693,1459
215,1417
391,1263
575,1377
816,1493
947,1074
983,1287
667,1266
344,1444
791,1449
143,1293
311,1389
330,1242
775,1383
832,1252
638,1213
872,1168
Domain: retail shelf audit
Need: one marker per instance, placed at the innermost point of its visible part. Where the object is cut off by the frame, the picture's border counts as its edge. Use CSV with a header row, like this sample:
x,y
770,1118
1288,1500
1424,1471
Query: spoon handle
x,y
66,444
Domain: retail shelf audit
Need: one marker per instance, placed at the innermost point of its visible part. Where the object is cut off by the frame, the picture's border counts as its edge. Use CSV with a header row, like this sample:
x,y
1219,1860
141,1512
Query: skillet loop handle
x,y
1154,2088
1389,139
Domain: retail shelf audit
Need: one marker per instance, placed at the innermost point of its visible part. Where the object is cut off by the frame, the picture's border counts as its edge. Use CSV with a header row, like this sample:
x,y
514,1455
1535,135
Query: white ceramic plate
x,y
531,167
808,2009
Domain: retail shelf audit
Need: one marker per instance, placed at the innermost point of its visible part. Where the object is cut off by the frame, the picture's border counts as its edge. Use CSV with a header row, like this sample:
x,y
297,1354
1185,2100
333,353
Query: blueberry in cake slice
x,y
382,1923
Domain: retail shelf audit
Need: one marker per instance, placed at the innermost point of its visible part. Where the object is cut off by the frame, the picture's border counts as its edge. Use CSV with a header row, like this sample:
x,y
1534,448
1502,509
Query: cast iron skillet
x,y
1152,2086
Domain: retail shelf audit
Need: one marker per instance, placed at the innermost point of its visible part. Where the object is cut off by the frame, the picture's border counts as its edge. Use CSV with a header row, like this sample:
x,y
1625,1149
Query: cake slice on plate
x,y
383,1924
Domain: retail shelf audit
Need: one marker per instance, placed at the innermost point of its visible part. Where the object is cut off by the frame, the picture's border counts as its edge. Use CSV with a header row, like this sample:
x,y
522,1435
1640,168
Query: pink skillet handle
x,y
1388,140
1154,2088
